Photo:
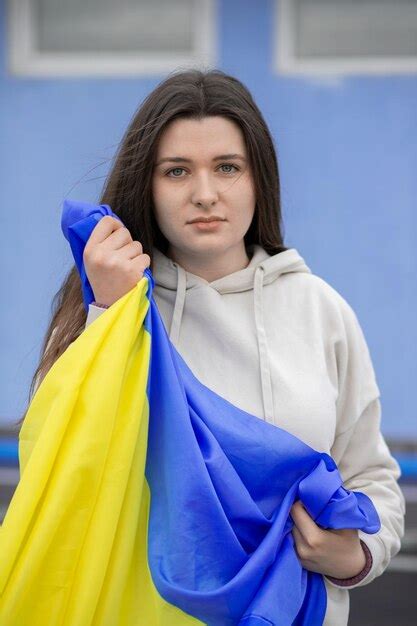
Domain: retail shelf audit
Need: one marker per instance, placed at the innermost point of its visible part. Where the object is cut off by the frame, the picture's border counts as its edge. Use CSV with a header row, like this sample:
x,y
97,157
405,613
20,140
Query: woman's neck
x,y
211,266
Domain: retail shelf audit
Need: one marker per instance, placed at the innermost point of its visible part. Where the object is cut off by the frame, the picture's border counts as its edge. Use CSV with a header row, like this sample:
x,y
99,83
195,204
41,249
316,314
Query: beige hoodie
x,y
279,342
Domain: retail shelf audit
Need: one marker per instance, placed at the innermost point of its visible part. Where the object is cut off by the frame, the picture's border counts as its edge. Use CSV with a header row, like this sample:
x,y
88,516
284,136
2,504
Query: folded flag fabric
x,y
145,498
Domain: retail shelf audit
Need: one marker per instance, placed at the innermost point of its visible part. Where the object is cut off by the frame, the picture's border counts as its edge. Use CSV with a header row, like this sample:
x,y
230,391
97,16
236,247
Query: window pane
x,y
115,25
340,28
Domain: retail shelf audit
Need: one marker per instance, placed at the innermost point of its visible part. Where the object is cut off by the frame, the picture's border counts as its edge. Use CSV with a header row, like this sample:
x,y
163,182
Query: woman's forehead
x,y
187,137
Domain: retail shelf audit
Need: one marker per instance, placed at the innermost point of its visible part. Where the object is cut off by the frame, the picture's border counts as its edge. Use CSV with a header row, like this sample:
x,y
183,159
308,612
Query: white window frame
x,y
285,61
25,60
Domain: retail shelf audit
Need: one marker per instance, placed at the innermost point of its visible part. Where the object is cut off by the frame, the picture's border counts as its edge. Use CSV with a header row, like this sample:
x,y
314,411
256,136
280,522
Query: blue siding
x,y
347,149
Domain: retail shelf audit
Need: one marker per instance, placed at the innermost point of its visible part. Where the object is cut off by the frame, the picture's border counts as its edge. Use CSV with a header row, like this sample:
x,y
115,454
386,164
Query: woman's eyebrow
x,y
180,159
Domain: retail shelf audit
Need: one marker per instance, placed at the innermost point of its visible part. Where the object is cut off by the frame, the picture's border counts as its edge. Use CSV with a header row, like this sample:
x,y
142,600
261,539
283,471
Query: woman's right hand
x,y
113,262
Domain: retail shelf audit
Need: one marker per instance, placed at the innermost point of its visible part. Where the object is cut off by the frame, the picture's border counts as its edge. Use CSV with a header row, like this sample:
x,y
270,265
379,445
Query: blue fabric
x,y
77,222
222,484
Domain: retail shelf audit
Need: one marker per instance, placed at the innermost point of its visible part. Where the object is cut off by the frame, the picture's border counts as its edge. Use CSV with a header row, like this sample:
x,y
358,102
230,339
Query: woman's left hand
x,y
336,553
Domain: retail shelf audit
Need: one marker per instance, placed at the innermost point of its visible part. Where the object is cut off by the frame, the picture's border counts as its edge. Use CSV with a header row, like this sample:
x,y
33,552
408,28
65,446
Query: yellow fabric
x,y
73,544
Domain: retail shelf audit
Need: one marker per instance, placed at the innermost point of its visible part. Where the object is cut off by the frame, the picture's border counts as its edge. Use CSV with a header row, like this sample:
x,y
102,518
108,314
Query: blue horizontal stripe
x,y
8,452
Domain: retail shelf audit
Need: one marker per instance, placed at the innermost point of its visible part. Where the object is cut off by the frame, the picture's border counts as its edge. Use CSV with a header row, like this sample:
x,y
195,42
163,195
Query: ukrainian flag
x,y
147,499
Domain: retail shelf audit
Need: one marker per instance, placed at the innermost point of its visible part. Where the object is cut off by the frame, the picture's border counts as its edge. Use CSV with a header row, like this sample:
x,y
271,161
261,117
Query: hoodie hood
x,y
262,269
167,273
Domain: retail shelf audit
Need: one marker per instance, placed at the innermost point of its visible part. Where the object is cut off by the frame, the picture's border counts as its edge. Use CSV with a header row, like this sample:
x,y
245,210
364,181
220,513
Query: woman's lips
x,y
207,225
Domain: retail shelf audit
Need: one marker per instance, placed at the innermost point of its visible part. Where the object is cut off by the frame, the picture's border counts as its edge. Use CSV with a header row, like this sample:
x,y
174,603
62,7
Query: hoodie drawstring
x,y
265,369
174,333
266,382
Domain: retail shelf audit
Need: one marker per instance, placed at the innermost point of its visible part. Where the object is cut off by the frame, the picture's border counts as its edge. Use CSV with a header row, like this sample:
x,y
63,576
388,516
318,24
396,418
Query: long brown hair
x,y
128,186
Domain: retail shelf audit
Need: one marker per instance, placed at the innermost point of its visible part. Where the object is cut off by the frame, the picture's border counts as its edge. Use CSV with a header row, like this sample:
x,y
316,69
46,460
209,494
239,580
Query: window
x,y
346,36
108,37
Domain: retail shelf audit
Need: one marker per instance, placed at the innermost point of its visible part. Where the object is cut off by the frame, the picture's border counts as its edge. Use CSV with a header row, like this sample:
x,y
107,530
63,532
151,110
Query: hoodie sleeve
x,y
93,313
360,451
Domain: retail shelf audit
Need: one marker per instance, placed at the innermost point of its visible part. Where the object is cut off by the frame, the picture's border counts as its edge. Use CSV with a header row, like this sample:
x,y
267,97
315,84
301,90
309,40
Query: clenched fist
x,y
113,262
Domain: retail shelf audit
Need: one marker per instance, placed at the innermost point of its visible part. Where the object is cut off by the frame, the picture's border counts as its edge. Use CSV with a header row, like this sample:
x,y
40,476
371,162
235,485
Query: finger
x,y
298,537
300,511
105,227
141,262
302,519
131,250
117,240
344,532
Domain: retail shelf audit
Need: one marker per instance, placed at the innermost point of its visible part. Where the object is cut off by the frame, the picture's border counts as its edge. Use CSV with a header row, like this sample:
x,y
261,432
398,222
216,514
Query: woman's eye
x,y
175,169
228,165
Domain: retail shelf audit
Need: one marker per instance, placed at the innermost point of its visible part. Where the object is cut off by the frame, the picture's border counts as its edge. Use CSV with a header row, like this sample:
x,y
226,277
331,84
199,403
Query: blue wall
x,y
348,162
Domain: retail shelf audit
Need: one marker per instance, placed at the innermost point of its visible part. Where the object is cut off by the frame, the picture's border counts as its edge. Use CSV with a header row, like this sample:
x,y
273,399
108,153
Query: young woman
x,y
196,184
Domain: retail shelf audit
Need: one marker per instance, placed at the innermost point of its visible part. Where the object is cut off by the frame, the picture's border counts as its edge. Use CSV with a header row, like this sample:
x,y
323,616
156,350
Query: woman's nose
x,y
205,190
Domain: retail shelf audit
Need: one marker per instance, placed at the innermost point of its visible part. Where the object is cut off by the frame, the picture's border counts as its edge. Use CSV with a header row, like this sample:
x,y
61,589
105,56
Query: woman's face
x,y
201,170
